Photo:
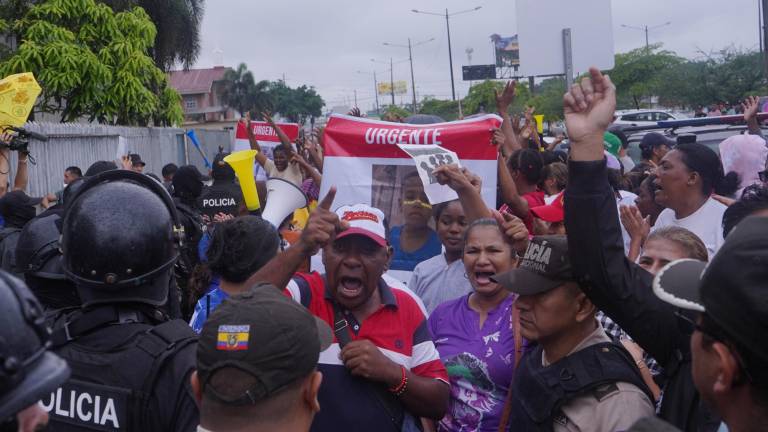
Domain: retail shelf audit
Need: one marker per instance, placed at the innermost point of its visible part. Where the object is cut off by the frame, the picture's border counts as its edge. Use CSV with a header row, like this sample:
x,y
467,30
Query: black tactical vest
x,y
111,390
541,391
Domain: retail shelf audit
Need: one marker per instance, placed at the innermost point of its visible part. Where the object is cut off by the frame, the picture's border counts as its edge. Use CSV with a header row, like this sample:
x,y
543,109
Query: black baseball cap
x,y
731,289
652,140
136,160
264,334
222,170
545,266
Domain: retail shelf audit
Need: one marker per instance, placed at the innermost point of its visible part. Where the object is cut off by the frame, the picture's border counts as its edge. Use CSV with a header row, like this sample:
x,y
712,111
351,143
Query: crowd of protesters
x,y
601,294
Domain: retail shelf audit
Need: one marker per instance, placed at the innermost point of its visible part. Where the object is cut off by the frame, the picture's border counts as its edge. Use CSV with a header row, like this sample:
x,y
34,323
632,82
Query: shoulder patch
x,y
604,391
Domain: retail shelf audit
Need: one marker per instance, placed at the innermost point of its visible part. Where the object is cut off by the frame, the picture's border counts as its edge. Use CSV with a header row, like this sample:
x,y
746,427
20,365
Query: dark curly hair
x,y
529,163
241,246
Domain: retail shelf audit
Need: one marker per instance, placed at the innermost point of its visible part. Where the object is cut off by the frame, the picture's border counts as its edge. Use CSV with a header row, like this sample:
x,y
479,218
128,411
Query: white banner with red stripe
x,y
267,139
362,156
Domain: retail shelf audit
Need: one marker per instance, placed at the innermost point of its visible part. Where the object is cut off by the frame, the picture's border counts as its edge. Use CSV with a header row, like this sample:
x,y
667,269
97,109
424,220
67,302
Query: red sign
x,y
264,132
356,137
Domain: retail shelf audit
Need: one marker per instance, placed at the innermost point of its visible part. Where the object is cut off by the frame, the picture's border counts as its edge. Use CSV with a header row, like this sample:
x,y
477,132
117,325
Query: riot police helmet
x,y
120,239
28,370
37,250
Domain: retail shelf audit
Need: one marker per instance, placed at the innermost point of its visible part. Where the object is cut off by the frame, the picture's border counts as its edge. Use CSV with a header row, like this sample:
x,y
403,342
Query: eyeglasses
x,y
714,335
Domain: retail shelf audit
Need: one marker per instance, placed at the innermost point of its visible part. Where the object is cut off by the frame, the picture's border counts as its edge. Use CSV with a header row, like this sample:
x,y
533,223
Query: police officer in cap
x,y
130,362
29,372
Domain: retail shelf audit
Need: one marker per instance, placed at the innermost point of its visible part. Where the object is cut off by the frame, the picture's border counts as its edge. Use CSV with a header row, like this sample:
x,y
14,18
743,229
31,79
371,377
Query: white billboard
x,y
541,46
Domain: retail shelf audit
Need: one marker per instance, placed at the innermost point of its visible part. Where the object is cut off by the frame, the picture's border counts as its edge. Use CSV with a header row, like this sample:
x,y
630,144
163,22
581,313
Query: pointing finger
x,y
328,199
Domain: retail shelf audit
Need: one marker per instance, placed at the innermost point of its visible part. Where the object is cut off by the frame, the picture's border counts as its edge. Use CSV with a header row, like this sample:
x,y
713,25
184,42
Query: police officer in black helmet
x,y
29,372
130,362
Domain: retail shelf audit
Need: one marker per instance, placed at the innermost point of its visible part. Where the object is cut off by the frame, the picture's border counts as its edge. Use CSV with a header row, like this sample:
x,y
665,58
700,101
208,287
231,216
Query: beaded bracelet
x,y
399,389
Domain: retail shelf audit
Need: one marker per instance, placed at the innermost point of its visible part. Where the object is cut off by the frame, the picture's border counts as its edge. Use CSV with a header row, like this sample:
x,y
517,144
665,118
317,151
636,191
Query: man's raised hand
x,y
589,107
322,226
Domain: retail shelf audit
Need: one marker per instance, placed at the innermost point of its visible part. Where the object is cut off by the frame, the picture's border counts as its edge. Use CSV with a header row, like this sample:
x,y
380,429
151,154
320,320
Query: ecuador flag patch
x,y
233,337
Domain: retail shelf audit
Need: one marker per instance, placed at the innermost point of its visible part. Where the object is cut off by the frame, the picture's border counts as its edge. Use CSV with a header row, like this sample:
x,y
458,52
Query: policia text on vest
x,y
88,405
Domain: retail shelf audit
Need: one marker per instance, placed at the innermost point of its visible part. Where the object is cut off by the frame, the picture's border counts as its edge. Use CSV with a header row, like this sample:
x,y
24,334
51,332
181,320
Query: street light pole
x,y
645,29
413,80
375,88
392,80
450,54
448,28
376,93
410,58
764,36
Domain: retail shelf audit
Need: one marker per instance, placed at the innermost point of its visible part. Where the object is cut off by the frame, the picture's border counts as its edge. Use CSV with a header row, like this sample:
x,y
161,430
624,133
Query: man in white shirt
x,y
283,165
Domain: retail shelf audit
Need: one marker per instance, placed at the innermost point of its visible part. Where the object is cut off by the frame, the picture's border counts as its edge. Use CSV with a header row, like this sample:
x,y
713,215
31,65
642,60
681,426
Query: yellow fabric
x,y
18,94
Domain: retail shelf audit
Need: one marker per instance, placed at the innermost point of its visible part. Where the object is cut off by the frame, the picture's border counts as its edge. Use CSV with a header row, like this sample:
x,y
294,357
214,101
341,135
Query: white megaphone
x,y
283,198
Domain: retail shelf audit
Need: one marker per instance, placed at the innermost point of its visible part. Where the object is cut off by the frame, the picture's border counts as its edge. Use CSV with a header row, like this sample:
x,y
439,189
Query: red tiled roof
x,y
196,81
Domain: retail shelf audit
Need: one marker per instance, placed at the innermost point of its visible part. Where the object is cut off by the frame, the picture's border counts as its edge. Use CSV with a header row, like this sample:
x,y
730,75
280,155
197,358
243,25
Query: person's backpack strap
x,y
394,409
162,343
518,353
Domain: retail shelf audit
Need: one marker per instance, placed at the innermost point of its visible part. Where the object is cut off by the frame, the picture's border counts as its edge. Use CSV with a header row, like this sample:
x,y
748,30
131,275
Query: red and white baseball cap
x,y
363,220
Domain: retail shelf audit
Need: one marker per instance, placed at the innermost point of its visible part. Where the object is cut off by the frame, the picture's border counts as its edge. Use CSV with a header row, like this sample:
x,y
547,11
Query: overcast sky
x,y
325,43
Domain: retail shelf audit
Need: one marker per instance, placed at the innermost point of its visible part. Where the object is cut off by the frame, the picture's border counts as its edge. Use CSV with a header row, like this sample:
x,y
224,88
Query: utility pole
x,y
450,54
392,80
410,58
376,93
413,80
644,28
764,36
355,97
448,28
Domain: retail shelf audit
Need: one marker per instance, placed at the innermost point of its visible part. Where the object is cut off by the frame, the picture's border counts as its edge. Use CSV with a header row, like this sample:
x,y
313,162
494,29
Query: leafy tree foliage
x,y
178,23
93,63
638,74
242,93
298,104
445,109
725,76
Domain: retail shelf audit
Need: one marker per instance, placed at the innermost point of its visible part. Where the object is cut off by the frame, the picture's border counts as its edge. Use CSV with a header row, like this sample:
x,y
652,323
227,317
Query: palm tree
x,y
178,29
242,93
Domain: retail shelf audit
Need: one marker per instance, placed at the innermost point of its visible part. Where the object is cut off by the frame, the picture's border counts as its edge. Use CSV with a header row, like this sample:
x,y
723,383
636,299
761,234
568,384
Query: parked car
x,y
641,117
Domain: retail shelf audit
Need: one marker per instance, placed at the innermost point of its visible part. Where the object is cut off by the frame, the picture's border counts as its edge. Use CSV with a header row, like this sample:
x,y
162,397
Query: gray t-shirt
x,y
436,281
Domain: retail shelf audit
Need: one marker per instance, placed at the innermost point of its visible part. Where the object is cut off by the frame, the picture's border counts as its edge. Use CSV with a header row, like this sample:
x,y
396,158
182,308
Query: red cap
x,y
553,212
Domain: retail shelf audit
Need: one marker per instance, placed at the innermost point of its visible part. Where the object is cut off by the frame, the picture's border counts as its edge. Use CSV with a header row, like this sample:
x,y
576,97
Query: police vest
x,y
111,390
546,389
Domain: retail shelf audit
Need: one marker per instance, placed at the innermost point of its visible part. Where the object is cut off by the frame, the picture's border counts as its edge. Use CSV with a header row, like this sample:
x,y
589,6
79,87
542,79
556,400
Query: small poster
x,y
428,158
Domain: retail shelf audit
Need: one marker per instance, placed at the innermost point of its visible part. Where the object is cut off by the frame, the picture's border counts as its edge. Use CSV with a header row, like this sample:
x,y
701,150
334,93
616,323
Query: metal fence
x,y
83,144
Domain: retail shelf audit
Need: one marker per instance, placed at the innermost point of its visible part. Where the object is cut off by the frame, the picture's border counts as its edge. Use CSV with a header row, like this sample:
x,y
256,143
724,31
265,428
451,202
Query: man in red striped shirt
x,y
383,370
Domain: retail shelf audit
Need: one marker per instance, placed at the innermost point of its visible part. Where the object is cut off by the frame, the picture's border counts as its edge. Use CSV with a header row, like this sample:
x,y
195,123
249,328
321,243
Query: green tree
x,y
178,23
548,98
297,104
93,63
445,109
638,74
394,113
243,93
481,97
728,75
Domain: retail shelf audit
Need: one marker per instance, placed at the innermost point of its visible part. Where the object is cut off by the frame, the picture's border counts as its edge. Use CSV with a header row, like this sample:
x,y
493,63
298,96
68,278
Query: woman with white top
x,y
687,177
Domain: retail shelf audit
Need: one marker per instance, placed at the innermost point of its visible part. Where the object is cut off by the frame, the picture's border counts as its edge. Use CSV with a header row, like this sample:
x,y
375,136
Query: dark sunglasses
x,y
716,335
